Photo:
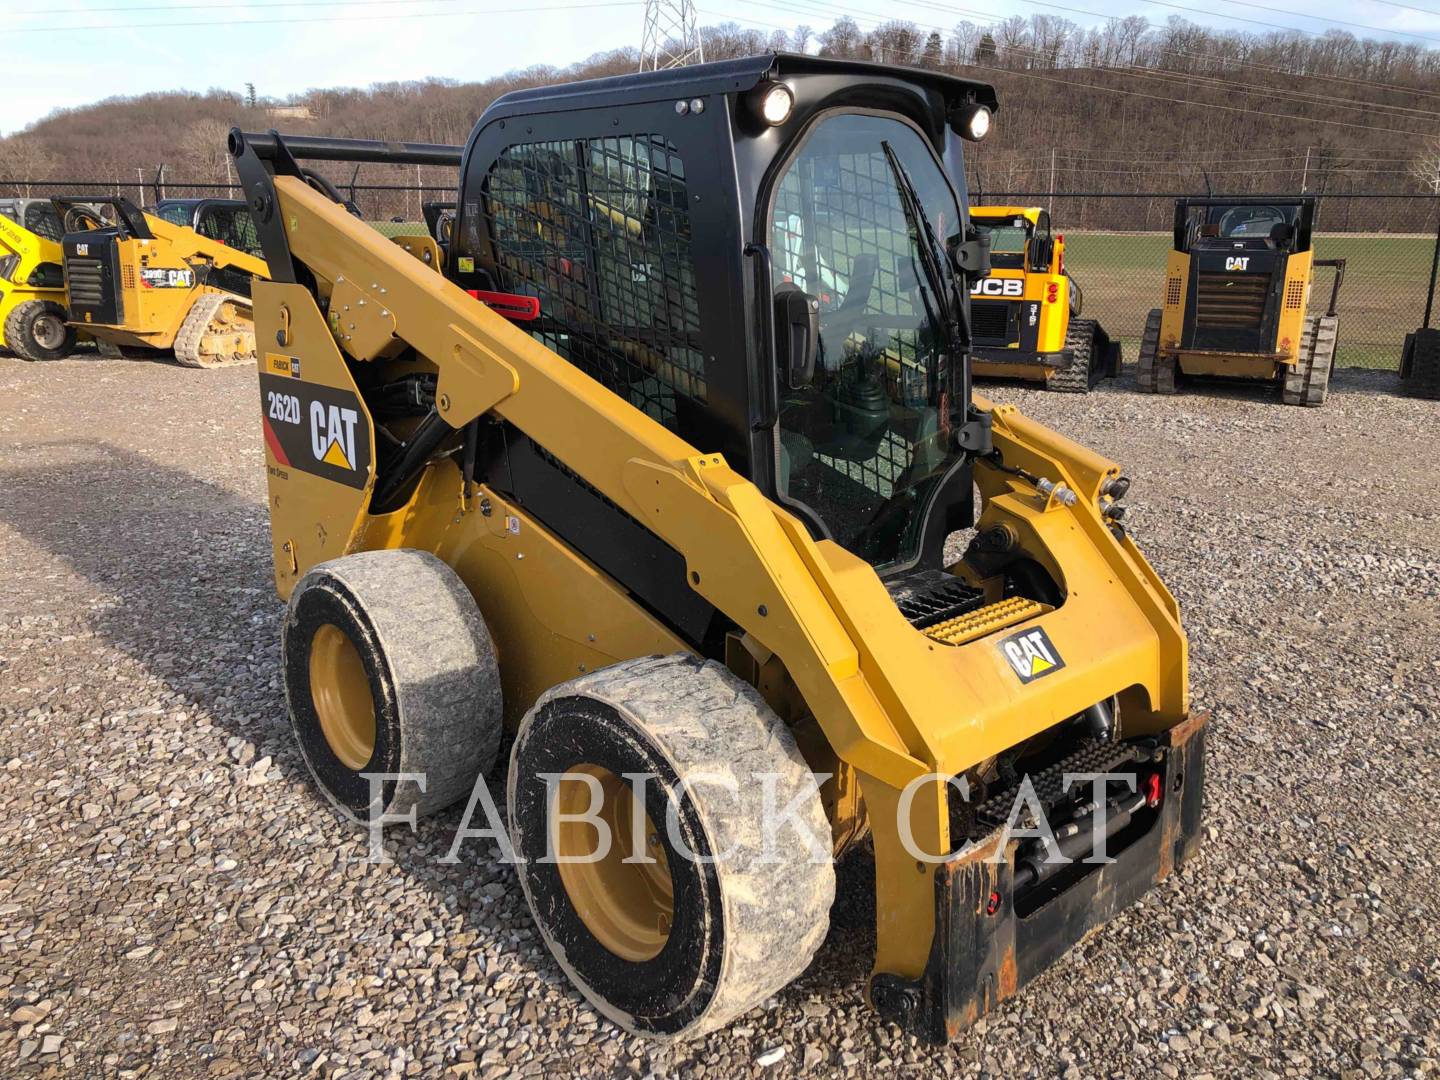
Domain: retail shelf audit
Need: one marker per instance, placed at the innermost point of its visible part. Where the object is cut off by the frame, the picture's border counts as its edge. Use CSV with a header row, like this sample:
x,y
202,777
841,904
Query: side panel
x,y
308,449
1294,302
1172,322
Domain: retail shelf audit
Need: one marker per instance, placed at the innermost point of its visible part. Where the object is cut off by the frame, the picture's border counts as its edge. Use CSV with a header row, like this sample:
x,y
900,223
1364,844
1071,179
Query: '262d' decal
x,y
316,429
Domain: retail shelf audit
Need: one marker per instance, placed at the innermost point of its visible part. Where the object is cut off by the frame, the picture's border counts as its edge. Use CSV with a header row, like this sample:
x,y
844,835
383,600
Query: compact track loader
x,y
1237,287
145,284
1026,313
32,281
671,468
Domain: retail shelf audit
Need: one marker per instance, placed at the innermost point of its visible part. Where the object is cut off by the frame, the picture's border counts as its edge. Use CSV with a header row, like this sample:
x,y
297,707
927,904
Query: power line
x,y
1115,90
1095,86
950,9
351,18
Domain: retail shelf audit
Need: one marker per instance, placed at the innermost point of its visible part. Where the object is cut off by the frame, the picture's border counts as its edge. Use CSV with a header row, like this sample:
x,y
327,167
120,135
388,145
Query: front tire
x,y
681,946
36,330
389,668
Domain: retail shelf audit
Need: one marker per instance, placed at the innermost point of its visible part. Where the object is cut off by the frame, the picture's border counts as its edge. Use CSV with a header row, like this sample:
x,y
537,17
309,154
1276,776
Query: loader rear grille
x,y
991,320
1231,301
1089,756
127,276
930,597
1173,292
1294,295
85,281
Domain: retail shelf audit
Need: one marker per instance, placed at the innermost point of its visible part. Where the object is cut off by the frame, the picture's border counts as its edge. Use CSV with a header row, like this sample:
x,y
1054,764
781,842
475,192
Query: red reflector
x,y
513,306
1052,292
1154,789
993,904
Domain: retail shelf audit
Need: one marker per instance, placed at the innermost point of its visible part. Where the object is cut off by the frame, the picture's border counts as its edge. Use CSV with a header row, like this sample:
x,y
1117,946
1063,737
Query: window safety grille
x,y
599,231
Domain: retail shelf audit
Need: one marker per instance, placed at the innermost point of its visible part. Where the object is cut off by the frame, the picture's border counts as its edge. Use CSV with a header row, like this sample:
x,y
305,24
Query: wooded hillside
x,y
1131,106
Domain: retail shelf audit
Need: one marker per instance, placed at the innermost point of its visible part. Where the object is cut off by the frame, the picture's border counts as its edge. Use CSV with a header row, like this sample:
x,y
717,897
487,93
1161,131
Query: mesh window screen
x,y
840,233
599,230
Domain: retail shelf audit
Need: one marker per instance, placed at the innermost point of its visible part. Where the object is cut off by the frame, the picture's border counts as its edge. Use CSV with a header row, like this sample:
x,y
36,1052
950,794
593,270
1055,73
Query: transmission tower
x,y
672,35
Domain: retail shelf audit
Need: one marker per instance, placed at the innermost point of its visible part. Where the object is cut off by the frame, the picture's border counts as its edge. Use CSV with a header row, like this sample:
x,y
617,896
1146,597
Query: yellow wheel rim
x,y
340,689
627,906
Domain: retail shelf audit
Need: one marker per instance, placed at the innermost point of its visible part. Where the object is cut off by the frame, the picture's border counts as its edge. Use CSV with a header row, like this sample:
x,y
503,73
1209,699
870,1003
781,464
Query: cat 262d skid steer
x,y
657,465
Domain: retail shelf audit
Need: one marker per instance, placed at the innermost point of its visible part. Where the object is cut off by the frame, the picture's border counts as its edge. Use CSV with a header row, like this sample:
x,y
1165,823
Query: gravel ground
x,y
176,901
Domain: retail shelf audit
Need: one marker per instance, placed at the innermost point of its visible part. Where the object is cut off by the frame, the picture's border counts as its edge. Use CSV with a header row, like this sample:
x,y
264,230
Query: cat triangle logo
x,y
335,455
1031,654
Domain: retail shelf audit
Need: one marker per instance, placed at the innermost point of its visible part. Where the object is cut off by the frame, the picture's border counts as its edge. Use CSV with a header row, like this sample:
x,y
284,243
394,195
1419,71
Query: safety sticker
x,y
280,364
1031,654
316,429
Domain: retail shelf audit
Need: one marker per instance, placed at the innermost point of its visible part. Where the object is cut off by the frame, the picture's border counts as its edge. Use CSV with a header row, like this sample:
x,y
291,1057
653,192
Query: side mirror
x,y
972,258
797,334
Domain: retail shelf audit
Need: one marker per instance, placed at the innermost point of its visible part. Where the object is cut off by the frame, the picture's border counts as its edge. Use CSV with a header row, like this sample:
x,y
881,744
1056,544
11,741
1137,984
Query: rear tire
x,y
1421,369
36,330
1307,382
389,668
1079,376
684,953
1155,374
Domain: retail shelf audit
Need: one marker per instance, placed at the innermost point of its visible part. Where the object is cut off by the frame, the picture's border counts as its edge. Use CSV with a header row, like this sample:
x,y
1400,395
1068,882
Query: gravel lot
x,y
175,900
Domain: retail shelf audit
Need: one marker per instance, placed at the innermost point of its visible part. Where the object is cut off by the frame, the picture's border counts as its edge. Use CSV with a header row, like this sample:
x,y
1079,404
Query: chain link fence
x,y
392,208
1116,247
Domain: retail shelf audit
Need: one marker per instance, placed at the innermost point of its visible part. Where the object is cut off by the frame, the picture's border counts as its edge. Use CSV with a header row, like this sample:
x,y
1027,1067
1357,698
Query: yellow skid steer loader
x,y
659,469
145,284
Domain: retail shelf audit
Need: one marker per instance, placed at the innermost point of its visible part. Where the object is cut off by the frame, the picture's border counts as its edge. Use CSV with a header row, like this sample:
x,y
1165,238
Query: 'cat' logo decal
x,y
1031,654
316,429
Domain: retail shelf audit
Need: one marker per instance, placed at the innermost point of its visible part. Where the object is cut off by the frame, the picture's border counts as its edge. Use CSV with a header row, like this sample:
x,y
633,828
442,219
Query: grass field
x,y
1382,300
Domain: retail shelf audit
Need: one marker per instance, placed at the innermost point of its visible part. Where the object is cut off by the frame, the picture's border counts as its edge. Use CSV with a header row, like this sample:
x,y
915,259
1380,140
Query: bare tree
x,y
1425,166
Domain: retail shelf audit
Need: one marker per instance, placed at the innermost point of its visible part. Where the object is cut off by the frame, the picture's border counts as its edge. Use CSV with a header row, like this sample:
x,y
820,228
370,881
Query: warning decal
x,y
316,429
1031,654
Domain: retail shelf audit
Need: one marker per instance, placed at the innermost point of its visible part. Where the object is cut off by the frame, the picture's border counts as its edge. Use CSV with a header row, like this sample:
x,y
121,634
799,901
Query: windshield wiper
x,y
932,260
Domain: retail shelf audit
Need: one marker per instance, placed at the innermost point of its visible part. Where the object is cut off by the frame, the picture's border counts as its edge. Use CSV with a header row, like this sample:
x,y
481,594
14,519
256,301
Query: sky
x,y
126,47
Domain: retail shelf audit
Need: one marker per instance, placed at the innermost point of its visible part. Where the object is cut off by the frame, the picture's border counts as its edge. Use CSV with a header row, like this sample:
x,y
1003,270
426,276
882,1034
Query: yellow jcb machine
x,y
32,281
145,284
1237,290
1026,313
660,472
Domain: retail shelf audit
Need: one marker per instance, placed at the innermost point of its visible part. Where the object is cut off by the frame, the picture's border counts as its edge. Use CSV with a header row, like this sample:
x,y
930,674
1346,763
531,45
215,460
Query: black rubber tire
x,y
432,673
744,925
23,329
1422,371
1080,375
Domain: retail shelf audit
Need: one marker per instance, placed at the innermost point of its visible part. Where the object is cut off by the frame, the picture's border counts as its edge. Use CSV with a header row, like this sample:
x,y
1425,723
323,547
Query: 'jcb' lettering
x,y
1237,262
998,287
332,434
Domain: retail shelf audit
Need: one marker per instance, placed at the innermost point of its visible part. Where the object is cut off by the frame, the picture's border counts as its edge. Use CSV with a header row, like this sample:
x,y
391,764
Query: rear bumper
x,y
989,354
984,951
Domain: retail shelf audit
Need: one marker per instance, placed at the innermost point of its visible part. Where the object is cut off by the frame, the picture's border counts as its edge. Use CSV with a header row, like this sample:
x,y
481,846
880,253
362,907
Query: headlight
x,y
972,121
776,103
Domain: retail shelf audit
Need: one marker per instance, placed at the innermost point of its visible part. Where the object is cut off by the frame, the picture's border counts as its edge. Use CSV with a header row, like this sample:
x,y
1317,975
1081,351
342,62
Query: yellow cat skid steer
x,y
145,284
678,518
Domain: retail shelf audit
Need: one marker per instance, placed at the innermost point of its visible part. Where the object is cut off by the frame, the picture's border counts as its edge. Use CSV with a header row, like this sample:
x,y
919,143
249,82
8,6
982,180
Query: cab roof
x,y
1029,213
725,77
